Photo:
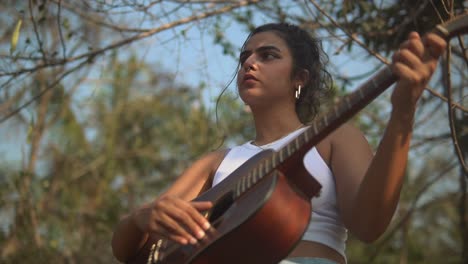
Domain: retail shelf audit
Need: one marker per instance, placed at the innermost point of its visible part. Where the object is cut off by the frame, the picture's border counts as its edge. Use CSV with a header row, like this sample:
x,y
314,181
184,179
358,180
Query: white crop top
x,y
325,225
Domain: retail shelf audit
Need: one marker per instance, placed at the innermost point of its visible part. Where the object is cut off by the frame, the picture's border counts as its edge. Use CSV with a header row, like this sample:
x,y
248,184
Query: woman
x,y
281,77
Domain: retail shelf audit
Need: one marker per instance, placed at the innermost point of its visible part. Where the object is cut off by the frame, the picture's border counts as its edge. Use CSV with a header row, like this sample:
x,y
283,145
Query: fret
x,y
315,128
249,183
348,103
306,135
366,87
255,173
292,148
377,78
360,93
374,83
274,160
288,147
335,110
388,73
238,191
358,96
243,184
281,155
261,169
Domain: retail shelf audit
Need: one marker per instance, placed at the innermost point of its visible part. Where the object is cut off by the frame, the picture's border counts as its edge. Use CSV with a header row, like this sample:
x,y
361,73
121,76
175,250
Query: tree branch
x,y
93,54
453,130
376,54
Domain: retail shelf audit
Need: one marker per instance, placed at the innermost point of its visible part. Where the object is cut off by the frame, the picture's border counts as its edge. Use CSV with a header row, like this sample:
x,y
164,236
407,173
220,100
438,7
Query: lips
x,y
248,77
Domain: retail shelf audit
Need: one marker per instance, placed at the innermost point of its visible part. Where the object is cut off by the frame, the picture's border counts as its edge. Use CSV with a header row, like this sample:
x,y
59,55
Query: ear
x,y
302,77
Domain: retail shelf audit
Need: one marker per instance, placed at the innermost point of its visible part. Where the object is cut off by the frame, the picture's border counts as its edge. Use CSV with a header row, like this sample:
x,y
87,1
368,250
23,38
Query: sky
x,y
193,59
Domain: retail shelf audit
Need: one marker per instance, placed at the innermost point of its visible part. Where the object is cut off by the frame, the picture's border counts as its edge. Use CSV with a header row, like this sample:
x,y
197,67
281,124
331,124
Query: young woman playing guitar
x,y
281,78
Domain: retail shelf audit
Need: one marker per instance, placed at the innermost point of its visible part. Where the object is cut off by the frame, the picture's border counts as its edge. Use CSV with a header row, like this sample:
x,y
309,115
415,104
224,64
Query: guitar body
x,y
261,225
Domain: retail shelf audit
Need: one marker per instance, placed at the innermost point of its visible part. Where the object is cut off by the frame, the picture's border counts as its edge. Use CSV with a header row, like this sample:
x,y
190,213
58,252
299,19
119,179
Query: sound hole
x,y
219,208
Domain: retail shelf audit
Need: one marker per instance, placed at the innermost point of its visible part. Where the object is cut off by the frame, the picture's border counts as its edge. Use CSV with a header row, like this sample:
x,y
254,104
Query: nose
x,y
249,63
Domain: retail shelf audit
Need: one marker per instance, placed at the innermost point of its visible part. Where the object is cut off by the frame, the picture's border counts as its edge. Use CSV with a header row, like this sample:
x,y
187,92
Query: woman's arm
x,y
171,215
368,187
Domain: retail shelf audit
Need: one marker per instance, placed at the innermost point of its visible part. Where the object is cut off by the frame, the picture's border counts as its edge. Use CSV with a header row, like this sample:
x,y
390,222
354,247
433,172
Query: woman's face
x,y
265,70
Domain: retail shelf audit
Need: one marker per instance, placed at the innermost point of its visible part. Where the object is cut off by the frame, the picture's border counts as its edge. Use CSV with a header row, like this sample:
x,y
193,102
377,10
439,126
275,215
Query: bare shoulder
x,y
198,176
346,133
217,155
350,153
339,140
210,161
348,141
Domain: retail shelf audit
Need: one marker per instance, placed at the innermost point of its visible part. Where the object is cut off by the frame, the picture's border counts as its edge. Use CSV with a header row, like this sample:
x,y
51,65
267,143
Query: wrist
x,y
402,118
403,111
133,220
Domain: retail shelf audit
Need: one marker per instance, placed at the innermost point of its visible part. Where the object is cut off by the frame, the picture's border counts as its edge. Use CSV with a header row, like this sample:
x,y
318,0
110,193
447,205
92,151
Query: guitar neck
x,y
347,107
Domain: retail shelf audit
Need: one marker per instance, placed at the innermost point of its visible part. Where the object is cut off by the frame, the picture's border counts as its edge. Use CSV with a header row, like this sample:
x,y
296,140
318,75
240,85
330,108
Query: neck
x,y
272,125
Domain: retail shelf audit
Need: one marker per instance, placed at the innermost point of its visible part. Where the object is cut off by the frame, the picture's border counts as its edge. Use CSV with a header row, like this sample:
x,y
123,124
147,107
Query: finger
x,y
434,45
408,74
184,213
173,228
172,218
408,58
414,35
200,207
413,44
179,239
160,230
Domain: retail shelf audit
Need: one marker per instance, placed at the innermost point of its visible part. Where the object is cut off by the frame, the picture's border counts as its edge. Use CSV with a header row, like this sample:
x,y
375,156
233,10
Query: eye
x,y
243,57
268,56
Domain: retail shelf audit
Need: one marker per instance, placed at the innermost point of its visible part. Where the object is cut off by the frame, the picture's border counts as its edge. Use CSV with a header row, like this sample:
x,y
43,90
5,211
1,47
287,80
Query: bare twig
x,y
90,56
59,9
350,35
453,130
39,41
41,93
463,53
376,54
93,54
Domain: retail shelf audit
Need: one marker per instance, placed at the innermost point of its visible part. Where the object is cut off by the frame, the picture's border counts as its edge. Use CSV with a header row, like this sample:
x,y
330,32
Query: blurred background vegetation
x,y
90,128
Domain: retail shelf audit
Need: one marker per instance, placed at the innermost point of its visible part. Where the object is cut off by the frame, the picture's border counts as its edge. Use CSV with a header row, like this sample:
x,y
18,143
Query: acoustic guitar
x,y
262,209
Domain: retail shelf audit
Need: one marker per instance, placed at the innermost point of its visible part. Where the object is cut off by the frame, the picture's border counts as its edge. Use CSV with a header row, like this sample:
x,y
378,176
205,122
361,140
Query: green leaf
x,y
15,37
29,134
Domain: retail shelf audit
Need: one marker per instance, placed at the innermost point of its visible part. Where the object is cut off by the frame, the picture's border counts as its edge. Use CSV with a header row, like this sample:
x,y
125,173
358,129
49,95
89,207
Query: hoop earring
x,y
298,91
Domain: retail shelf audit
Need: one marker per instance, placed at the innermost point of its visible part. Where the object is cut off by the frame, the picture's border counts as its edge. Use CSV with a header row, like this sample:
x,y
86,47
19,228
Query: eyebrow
x,y
262,48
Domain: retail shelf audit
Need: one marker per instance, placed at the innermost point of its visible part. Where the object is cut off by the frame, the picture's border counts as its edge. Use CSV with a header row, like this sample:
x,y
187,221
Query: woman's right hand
x,y
173,218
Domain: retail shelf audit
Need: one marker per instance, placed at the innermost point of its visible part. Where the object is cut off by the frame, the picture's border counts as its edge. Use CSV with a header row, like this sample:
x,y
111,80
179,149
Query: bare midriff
x,y
317,250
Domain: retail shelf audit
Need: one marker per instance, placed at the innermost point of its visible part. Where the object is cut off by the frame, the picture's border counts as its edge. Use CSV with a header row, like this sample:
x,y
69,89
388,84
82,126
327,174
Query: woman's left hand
x,y
414,63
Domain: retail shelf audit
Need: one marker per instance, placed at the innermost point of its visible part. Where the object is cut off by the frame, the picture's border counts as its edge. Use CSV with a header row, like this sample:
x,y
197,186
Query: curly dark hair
x,y
307,53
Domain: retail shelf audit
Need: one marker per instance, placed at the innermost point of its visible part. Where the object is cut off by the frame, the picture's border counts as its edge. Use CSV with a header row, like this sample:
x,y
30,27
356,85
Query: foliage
x,y
103,128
